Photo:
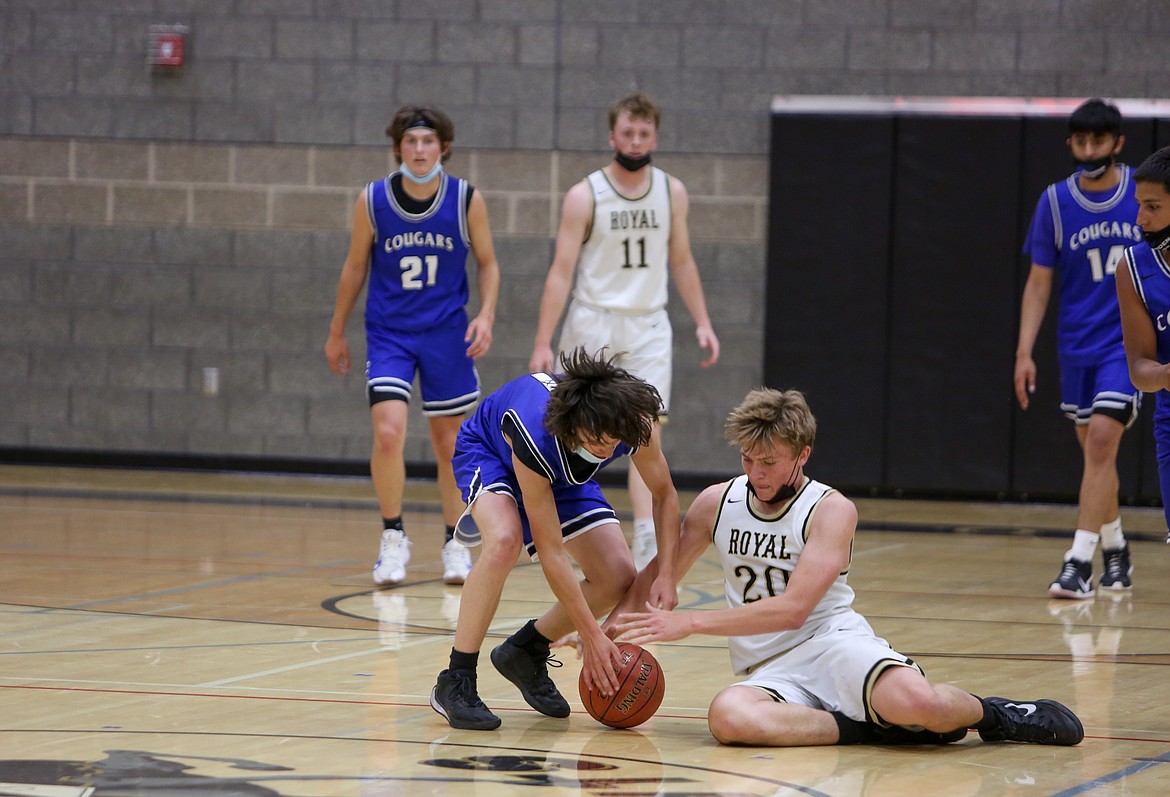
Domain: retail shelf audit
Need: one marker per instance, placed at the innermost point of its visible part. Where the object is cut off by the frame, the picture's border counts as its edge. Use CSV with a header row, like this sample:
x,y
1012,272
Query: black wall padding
x,y
952,265
827,285
1046,456
894,279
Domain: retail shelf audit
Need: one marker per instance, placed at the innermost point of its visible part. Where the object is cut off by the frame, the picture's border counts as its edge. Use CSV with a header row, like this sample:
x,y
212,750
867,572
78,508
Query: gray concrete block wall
x,y
122,298
154,226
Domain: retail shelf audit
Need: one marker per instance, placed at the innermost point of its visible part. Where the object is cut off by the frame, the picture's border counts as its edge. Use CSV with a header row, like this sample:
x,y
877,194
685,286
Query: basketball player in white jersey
x,y
815,673
623,231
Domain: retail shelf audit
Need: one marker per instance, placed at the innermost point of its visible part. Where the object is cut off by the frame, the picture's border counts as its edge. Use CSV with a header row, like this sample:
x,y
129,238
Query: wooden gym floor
x,y
169,633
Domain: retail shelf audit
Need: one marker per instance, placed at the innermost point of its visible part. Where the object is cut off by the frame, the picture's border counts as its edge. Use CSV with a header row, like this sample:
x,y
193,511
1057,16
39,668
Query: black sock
x,y
393,523
990,718
464,661
530,639
450,534
850,731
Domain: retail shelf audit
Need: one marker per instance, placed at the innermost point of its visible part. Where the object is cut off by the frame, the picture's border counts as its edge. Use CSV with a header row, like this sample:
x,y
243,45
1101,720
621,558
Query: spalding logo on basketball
x,y
642,687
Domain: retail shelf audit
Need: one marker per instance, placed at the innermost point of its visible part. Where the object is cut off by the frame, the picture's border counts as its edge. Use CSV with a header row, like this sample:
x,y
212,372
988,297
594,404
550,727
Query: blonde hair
x,y
772,417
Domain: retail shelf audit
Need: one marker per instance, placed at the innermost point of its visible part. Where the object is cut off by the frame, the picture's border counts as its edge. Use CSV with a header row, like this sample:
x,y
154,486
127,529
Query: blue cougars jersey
x,y
515,412
1151,280
418,262
1084,235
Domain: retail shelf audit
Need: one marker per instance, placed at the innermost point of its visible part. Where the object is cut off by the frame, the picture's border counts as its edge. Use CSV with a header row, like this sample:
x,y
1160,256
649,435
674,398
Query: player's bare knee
x,y
730,719
501,548
389,438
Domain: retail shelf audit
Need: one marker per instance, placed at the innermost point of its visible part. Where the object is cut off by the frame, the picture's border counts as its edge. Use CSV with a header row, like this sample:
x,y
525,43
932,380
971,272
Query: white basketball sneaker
x,y
456,562
390,569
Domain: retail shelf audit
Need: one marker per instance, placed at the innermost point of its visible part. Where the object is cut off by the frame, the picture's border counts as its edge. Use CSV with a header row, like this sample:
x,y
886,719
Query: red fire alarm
x,y
166,47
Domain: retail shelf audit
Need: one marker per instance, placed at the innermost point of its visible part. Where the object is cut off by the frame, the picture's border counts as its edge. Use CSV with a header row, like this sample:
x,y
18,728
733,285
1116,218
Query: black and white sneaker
x,y
1036,722
1075,580
1118,569
455,697
530,674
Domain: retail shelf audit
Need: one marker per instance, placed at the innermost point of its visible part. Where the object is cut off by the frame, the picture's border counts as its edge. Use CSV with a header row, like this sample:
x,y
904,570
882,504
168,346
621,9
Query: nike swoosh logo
x,y
1028,708
734,500
1085,585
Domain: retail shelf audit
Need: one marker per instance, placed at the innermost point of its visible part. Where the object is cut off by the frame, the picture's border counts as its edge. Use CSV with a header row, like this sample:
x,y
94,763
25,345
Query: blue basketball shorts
x,y
1099,388
580,507
447,377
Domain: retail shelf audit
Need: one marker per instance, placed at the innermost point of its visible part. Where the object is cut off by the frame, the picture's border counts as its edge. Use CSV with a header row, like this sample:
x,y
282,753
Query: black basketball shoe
x,y
1035,721
530,675
1117,569
1075,581
454,697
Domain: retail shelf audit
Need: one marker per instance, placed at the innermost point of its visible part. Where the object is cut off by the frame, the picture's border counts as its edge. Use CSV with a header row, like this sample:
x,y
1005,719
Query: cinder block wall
x,y
153,226
130,267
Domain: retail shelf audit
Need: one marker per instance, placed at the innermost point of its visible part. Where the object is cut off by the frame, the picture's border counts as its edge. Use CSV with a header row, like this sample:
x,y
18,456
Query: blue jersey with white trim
x,y
1151,279
515,413
1084,235
418,261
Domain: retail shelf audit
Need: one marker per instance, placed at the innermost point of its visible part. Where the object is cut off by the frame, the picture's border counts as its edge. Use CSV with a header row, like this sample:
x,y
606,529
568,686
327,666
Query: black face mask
x,y
631,164
1159,241
1095,168
785,492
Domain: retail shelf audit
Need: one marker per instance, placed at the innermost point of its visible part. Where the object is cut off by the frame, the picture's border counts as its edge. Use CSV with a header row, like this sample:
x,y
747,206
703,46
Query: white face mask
x,y
426,178
589,456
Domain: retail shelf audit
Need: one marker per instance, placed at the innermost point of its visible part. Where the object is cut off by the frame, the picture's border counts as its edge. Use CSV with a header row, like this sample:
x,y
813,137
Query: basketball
x,y
640,695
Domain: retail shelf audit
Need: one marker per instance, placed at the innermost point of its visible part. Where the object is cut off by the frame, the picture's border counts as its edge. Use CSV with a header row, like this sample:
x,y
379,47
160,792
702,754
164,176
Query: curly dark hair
x,y
595,398
435,119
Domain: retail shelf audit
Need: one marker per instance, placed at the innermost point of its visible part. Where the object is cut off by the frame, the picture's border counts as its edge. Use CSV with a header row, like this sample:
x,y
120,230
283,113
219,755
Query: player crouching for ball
x,y
815,672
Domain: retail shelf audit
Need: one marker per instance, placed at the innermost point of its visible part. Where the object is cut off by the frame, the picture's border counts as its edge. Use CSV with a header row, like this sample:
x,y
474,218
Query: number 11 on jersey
x,y
641,253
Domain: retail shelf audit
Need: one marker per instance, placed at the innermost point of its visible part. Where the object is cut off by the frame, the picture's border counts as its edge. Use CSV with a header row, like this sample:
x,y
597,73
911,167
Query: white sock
x,y
643,525
1112,537
1084,546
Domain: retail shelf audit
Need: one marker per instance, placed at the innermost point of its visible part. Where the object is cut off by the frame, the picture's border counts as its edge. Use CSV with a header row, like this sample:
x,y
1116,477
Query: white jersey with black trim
x,y
623,265
759,554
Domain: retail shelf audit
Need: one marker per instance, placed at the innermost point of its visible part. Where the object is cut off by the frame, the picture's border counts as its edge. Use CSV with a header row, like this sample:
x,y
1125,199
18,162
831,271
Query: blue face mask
x,y
589,456
426,178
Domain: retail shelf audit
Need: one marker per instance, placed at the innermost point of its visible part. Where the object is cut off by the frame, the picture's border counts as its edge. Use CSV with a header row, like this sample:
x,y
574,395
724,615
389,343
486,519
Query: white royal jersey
x,y
759,555
623,265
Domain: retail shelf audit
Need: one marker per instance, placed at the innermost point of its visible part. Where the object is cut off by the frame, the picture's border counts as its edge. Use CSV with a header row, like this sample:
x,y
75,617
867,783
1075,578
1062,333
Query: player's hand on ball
x,y
602,662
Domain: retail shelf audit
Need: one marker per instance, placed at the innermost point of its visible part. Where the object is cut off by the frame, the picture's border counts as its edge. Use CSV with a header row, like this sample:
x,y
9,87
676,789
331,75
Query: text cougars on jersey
x,y
1104,229
633,220
431,240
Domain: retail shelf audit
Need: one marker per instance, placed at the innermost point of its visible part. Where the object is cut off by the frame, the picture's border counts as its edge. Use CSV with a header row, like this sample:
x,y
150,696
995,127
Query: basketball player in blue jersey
x,y
623,232
1143,292
412,231
526,461
815,673
1080,231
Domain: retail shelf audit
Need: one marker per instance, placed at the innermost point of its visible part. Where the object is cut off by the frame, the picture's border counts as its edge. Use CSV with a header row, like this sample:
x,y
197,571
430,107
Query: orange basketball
x,y
640,695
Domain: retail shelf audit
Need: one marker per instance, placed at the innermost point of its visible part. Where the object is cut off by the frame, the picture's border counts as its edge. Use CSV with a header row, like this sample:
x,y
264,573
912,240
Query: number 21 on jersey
x,y
412,271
